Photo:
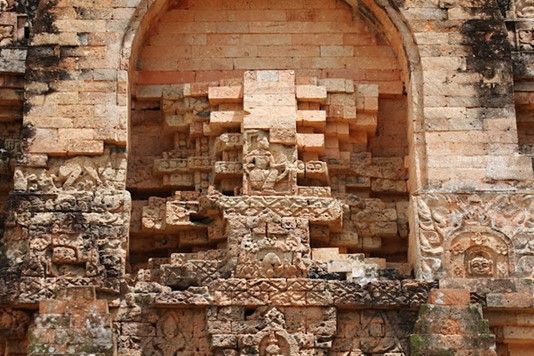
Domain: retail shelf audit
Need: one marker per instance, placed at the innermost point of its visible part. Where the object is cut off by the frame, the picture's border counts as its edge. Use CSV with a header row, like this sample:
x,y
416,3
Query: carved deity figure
x,y
271,262
274,345
261,168
169,341
480,253
480,266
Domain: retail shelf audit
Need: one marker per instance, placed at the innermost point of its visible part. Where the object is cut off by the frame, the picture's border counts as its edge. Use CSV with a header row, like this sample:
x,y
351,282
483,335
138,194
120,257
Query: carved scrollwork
x,y
479,253
473,236
524,8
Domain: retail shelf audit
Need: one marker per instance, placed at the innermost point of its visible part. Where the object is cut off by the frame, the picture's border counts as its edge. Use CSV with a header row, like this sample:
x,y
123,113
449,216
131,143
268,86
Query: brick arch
x,y
381,13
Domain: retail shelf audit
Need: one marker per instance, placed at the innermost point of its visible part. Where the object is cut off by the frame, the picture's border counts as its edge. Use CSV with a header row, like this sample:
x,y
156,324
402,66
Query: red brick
x,y
165,39
337,51
262,5
204,64
256,15
214,51
315,15
359,39
213,75
288,51
160,77
317,39
449,297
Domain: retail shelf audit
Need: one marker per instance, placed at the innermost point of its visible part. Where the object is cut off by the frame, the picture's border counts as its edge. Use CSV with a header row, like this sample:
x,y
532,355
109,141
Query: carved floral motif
x,y
474,236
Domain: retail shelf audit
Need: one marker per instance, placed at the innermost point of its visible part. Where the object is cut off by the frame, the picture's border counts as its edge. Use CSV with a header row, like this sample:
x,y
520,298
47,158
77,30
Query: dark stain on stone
x,y
27,132
43,56
491,57
504,6
397,4
319,273
44,65
489,44
44,17
521,64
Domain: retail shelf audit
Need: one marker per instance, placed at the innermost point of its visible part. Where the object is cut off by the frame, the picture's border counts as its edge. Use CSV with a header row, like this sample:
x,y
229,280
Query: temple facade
x,y
267,177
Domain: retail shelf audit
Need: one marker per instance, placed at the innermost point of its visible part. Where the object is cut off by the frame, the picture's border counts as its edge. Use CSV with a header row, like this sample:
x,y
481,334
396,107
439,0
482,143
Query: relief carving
x,y
263,174
524,8
526,39
6,35
270,247
4,5
260,181
75,174
479,254
251,183
167,332
474,236
169,340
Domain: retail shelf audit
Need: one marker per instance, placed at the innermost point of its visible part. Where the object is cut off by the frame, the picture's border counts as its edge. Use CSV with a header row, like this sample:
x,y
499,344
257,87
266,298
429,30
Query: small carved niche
x,y
479,253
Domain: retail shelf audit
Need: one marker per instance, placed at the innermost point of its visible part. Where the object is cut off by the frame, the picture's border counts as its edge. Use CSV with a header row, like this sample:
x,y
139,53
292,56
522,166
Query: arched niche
x,y
382,13
381,22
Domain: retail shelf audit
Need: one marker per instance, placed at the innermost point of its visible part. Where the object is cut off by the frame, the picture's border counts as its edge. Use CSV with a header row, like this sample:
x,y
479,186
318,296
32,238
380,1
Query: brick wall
x,y
203,41
207,40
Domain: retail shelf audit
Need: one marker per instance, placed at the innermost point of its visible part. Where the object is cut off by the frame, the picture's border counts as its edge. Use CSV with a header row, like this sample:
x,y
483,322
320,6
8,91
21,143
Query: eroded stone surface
x,y
266,177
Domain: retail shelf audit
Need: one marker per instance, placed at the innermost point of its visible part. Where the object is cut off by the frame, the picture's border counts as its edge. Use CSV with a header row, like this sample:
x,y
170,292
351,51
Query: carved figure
x,y
72,172
261,168
479,253
169,340
480,264
272,346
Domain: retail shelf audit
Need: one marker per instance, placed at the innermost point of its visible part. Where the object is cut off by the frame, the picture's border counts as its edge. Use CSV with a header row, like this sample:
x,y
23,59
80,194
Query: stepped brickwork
x,y
266,177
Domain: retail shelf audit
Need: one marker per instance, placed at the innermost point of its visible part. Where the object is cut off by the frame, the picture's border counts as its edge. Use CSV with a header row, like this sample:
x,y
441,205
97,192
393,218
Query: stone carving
x,y
168,333
4,5
520,27
270,212
526,39
269,246
274,345
484,253
6,35
524,8
263,174
7,5
430,242
247,152
76,174
169,339
471,237
277,341
381,332
270,331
